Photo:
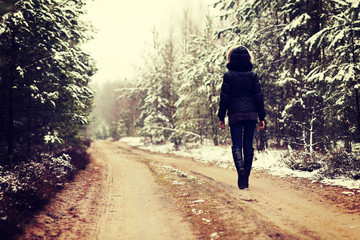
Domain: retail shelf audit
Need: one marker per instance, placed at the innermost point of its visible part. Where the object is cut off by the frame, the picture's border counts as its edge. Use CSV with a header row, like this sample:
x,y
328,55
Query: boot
x,y
248,160
239,164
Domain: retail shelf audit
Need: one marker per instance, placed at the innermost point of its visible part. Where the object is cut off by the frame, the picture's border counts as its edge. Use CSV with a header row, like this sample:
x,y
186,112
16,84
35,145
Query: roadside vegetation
x,y
27,187
44,104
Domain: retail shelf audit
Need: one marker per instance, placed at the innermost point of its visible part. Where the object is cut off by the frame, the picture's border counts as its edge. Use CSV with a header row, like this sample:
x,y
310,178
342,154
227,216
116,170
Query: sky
x,y
123,29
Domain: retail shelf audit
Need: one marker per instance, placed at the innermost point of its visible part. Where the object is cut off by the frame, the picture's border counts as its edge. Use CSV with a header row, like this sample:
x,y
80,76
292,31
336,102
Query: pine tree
x,y
307,52
338,76
44,96
201,73
158,86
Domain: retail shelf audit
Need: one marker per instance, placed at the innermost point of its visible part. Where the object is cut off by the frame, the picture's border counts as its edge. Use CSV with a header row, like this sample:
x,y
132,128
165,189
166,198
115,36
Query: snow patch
x,y
221,156
176,182
197,212
214,235
206,220
349,193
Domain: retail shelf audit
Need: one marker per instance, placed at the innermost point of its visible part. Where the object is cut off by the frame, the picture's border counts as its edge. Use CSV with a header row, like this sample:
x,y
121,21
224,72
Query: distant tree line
x,y
307,58
44,76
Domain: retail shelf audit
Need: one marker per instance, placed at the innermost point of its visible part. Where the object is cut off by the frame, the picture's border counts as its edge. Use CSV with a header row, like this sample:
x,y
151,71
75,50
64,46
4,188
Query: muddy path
x,y
127,193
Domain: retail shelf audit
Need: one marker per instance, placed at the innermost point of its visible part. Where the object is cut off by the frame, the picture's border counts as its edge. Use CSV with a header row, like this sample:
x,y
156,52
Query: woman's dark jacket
x,y
241,93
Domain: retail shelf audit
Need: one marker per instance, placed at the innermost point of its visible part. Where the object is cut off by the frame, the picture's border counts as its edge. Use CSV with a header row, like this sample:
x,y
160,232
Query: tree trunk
x,y
311,132
10,137
214,125
357,139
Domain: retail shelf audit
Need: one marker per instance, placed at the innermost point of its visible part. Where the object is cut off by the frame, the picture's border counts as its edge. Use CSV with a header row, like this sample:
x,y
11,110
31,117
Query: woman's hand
x,y
262,125
222,125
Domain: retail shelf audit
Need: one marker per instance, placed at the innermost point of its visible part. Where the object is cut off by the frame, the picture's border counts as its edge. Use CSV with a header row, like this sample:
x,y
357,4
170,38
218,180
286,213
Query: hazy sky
x,y
123,28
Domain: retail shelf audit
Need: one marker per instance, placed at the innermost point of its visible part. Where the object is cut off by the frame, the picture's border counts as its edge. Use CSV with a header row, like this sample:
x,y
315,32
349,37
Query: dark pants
x,y
242,134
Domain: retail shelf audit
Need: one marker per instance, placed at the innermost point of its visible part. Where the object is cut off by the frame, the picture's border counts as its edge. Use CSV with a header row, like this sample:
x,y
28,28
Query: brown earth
x,y
127,193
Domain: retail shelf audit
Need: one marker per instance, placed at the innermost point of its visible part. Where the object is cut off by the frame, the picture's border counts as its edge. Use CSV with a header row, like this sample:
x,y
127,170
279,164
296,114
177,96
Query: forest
x,y
306,55
44,103
44,98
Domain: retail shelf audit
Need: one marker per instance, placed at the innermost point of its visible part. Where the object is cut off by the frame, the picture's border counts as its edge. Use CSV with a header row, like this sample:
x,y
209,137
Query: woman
x,y
242,98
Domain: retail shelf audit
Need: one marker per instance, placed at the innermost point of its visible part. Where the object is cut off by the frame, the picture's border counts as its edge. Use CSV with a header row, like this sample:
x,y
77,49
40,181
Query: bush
x,y
302,161
342,163
335,164
79,157
87,142
28,186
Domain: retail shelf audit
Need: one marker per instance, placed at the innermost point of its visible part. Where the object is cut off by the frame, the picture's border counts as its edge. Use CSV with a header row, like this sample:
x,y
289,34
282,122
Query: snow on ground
x,y
221,156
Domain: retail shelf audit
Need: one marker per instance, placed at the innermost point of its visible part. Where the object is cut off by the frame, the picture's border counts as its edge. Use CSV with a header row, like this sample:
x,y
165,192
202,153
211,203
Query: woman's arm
x,y
224,98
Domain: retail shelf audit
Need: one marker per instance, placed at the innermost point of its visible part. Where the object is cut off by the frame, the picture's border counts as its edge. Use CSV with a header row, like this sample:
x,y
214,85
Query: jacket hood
x,y
240,60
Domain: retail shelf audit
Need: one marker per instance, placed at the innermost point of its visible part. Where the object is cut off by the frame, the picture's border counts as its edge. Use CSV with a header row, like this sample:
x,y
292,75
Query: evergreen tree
x,y
44,96
338,75
202,71
301,47
158,85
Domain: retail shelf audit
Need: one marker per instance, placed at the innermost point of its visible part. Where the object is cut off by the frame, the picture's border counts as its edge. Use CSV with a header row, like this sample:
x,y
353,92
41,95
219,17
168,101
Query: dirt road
x,y
127,193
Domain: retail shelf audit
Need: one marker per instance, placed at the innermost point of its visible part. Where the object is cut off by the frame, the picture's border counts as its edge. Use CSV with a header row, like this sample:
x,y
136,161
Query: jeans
x,y
242,134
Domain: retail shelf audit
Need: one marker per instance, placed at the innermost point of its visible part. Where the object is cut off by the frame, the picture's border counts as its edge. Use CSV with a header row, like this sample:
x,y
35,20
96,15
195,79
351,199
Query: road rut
x,y
134,194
